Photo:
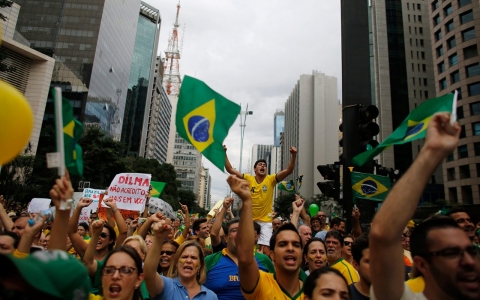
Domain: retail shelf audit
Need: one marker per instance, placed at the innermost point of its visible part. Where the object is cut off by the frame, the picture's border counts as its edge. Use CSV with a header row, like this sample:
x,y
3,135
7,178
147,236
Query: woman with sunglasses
x,y
169,248
121,275
314,254
347,249
187,269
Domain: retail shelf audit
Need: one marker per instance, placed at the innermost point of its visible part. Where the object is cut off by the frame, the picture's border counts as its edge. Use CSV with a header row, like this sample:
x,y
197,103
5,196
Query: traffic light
x,y
331,187
367,130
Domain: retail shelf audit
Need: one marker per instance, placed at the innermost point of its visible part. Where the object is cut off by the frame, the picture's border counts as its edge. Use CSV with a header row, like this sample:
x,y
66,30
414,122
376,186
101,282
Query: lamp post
x,y
243,119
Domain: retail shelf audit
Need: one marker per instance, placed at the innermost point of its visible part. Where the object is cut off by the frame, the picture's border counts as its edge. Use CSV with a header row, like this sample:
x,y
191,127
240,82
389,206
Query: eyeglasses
x,y
124,271
346,243
103,235
456,252
167,252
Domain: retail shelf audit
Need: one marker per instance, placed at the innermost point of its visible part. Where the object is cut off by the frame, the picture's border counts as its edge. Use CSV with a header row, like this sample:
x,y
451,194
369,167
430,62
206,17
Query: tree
x,y
3,53
283,206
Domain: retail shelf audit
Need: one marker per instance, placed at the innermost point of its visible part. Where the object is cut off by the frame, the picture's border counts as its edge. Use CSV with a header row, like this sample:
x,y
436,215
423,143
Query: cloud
x,y
253,52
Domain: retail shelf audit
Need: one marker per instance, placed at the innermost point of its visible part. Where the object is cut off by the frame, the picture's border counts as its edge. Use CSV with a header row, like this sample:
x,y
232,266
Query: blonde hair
x,y
140,240
201,275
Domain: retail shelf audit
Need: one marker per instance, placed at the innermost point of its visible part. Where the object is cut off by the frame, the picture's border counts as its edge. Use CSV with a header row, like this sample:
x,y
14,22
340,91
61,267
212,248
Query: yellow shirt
x,y
347,270
268,288
262,196
95,297
180,240
417,284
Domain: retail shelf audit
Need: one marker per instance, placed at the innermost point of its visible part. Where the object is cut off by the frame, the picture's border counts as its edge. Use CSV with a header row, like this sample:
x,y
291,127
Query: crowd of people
x,y
255,256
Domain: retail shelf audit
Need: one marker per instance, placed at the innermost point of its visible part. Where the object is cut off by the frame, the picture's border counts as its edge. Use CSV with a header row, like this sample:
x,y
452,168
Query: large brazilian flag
x,y
204,117
370,186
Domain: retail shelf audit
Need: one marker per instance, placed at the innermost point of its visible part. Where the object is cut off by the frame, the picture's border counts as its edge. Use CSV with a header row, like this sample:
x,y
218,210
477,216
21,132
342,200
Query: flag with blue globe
x,y
369,186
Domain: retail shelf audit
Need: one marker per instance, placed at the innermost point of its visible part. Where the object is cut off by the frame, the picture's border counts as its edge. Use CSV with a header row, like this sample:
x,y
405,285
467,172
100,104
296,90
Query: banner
x,y
38,204
129,190
93,194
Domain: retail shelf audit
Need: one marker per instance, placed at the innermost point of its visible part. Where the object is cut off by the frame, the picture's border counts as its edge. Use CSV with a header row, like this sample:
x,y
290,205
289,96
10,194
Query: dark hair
x,y
136,258
84,225
287,226
173,243
336,221
419,242
305,248
359,244
230,223
315,218
197,223
113,235
336,235
14,236
455,210
257,227
259,161
310,283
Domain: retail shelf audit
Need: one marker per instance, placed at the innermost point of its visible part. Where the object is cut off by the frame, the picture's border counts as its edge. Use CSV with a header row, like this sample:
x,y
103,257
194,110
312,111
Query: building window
x,y
435,5
474,89
467,195
468,34
476,128
420,30
466,17
453,59
452,194
420,19
421,43
476,146
443,83
460,114
422,54
463,2
473,70
448,10
475,108
441,67
418,7
437,19
451,174
426,94
451,42
439,51
455,77
438,35
449,26
462,151
424,81
462,132
470,51
450,157
464,171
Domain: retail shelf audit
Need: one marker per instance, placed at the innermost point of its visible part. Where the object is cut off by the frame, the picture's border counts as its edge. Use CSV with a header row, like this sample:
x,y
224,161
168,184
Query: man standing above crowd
x,y
262,187
442,252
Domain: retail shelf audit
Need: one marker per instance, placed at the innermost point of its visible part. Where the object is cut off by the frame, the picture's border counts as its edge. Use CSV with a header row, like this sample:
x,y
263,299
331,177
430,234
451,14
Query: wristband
x,y
115,210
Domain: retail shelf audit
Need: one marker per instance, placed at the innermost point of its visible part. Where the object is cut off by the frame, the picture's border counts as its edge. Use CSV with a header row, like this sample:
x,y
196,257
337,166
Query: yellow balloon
x,y
16,122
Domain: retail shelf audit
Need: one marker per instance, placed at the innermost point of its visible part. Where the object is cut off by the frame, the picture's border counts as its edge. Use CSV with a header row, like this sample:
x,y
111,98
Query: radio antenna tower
x,y
171,77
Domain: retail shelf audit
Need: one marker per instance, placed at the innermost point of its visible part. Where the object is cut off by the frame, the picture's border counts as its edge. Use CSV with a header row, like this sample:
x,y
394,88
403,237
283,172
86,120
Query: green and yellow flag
x,y
414,127
204,118
287,186
369,186
72,131
157,188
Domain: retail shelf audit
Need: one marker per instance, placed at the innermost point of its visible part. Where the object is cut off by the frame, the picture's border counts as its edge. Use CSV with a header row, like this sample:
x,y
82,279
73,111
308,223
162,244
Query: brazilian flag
x,y
72,131
414,127
204,117
157,188
287,186
369,186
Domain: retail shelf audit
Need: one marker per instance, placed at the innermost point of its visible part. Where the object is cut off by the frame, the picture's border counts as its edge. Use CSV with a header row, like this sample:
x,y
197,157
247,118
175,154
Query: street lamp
x,y
243,119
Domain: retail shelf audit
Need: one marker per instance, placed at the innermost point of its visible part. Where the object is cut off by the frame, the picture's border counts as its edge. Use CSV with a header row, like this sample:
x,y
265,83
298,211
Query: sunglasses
x,y
103,235
167,252
347,243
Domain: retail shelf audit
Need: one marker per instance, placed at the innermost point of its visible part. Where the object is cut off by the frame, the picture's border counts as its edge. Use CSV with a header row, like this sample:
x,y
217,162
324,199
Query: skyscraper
x,y
187,162
92,42
454,26
311,124
278,126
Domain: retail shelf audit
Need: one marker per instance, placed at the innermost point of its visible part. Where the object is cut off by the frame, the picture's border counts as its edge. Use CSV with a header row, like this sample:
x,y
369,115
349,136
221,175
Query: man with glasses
x,y
460,215
442,252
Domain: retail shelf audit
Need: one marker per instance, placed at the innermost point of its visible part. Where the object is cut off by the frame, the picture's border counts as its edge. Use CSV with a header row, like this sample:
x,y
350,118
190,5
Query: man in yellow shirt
x,y
262,187
334,244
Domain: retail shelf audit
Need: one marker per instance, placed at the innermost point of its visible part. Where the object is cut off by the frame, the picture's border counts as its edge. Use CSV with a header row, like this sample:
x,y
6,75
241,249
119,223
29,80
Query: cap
x,y
12,214
52,272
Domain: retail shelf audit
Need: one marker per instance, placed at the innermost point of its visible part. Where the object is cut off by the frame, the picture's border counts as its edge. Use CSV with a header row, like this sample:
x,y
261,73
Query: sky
x,y
252,52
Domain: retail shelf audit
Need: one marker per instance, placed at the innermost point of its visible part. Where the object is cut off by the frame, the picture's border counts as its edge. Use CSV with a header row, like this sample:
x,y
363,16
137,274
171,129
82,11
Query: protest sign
x,y
102,214
129,190
158,205
38,204
93,194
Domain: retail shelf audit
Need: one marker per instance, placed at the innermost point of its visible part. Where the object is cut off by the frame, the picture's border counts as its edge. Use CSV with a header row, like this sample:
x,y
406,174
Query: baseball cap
x,y
52,272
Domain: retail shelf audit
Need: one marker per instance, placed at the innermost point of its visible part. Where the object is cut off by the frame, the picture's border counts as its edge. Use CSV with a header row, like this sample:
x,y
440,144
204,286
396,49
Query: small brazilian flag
x,y
157,188
72,131
369,186
287,186
414,127
204,118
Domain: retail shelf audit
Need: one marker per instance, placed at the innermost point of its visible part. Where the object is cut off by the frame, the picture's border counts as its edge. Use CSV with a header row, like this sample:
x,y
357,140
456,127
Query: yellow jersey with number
x,y
262,196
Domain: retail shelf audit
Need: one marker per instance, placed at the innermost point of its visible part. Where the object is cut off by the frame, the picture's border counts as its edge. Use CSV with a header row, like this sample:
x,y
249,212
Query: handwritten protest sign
x,y
102,214
93,194
38,204
129,190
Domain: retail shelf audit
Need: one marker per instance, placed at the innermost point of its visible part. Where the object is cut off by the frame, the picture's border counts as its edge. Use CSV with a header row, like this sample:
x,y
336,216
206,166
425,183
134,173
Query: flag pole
x,y
59,131
454,108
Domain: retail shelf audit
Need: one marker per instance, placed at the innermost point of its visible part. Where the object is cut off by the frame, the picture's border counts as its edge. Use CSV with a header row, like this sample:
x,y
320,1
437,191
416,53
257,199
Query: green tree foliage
x,y
283,206
3,54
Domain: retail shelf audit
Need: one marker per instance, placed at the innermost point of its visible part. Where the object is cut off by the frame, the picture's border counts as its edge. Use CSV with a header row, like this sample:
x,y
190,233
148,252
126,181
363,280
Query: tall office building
x,y
187,162
278,126
311,123
204,189
159,120
92,42
455,27
259,152
141,83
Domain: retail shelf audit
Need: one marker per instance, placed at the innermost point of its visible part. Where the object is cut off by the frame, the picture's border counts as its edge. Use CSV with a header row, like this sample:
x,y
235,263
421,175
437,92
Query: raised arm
x,y
143,231
6,221
186,217
357,229
78,243
122,226
229,167
89,257
60,192
291,165
217,224
386,253
152,279
247,265
297,208
29,234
